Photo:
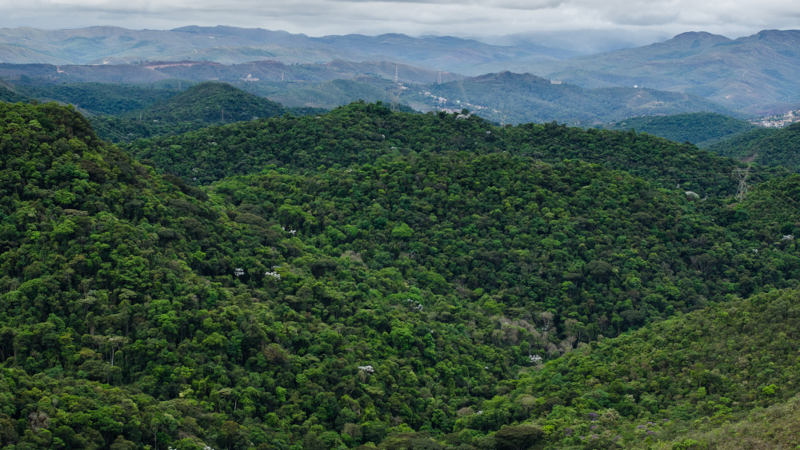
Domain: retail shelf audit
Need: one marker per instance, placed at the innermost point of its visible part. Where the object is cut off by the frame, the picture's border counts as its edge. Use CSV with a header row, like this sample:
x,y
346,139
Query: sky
x,y
643,20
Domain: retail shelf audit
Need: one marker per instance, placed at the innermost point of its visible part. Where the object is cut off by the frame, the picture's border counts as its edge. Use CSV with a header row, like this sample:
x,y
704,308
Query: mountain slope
x,y
198,106
521,98
770,147
701,129
360,132
663,382
752,74
100,98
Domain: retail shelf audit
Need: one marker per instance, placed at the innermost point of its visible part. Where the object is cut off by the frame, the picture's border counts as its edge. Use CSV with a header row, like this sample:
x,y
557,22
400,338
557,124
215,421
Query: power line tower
x,y
741,174
396,74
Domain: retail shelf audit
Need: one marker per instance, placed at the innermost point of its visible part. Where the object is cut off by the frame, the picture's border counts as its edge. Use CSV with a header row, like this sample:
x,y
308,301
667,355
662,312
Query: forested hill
x,y
213,102
701,129
200,105
770,147
359,133
7,94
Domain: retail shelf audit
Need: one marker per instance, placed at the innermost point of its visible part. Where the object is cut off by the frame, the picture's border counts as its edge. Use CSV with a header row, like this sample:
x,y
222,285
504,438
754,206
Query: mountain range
x,y
753,74
750,75
230,45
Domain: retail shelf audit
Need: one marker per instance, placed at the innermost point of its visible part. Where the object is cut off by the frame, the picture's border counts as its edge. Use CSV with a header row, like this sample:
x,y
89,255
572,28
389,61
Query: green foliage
x,y
201,105
359,133
701,129
345,292
100,98
9,94
689,373
770,147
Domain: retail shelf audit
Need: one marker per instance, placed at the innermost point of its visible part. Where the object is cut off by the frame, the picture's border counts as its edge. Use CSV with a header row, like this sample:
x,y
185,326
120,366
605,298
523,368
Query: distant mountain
x,y
252,72
754,74
517,98
701,129
500,97
111,45
767,146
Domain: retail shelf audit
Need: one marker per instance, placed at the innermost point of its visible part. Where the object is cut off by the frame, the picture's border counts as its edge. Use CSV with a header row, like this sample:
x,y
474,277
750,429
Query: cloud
x,y
456,17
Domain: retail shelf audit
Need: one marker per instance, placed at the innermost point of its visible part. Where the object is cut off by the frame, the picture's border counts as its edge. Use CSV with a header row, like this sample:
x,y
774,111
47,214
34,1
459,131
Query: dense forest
x,y
701,129
767,146
370,277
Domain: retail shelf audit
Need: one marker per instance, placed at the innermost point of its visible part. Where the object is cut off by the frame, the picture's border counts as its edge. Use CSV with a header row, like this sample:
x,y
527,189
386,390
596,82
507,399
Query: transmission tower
x,y
741,174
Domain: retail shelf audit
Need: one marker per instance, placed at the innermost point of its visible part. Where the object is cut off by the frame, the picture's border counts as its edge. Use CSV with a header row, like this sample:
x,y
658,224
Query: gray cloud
x,y
456,17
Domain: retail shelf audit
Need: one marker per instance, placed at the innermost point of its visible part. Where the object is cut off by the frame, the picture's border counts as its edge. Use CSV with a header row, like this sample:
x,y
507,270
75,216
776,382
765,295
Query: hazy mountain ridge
x,y
519,98
754,74
98,45
267,70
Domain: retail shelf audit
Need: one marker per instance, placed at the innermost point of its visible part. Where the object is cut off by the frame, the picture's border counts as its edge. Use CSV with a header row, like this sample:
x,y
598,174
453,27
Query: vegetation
x,y
767,146
101,98
8,94
665,382
359,133
404,280
201,105
701,129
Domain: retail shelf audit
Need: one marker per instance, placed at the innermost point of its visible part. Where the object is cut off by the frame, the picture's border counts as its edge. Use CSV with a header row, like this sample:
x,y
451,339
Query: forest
x,y
368,277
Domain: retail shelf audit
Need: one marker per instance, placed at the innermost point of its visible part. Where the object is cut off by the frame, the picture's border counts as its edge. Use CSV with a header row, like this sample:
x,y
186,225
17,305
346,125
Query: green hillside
x,y
200,105
770,147
701,129
368,281
670,382
9,94
212,102
359,133
101,98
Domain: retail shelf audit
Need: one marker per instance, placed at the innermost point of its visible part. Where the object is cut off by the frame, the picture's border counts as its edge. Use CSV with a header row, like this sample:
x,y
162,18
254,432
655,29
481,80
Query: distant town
x,y
778,120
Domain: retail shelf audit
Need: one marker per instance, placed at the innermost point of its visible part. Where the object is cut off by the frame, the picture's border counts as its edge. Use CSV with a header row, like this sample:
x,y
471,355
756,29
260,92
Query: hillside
x,y
100,98
770,147
701,129
198,106
753,74
667,383
359,133
342,293
520,98
9,94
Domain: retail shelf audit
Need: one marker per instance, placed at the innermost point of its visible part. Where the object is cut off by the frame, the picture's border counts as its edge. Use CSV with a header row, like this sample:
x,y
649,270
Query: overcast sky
x,y
473,18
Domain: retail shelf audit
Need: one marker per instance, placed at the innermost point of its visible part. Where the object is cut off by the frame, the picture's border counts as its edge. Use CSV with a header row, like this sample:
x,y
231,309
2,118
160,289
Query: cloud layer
x,y
454,17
